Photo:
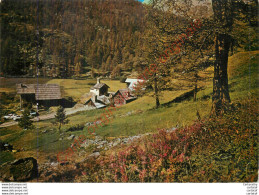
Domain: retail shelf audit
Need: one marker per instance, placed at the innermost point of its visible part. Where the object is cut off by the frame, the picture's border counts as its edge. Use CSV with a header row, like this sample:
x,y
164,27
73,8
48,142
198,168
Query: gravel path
x,y
69,111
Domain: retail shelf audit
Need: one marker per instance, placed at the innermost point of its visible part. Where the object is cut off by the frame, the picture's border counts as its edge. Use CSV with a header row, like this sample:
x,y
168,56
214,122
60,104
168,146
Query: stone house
x,y
99,88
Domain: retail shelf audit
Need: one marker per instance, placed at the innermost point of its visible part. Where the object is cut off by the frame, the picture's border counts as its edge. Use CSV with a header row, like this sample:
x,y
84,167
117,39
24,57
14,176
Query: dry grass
x,y
77,88
143,118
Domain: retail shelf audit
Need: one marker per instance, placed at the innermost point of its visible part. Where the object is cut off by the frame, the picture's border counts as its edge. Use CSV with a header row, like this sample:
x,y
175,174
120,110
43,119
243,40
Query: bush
x,y
222,149
214,150
25,122
76,127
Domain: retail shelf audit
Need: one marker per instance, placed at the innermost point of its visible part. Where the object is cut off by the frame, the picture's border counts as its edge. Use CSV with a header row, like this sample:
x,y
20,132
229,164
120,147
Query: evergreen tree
x,y
60,117
25,121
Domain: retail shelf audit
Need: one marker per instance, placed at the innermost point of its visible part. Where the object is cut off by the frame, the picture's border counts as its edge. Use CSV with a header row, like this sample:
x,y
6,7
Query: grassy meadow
x,y
137,117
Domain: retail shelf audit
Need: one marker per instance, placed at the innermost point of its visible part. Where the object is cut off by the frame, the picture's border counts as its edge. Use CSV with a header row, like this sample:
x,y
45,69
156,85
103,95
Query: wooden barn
x,y
122,96
40,94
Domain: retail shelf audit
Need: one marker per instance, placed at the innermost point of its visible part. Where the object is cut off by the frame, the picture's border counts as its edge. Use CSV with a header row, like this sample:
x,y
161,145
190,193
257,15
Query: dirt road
x,y
69,111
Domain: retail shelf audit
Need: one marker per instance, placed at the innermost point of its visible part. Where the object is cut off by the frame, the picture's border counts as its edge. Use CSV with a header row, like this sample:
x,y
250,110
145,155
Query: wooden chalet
x,y
40,94
123,96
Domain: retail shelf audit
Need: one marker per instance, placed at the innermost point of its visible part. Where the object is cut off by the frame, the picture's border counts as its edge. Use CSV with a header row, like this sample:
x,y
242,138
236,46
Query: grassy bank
x,y
137,117
212,150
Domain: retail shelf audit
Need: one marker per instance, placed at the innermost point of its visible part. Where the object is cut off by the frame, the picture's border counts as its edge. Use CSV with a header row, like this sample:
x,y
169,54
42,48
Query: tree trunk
x,y
195,87
220,97
59,127
224,19
156,94
195,93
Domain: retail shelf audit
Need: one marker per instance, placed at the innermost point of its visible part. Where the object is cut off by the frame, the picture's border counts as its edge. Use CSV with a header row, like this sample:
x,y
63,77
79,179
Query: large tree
x,y
224,18
230,17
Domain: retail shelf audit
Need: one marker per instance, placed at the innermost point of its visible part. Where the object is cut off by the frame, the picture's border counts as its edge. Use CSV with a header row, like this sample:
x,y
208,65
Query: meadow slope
x,y
137,117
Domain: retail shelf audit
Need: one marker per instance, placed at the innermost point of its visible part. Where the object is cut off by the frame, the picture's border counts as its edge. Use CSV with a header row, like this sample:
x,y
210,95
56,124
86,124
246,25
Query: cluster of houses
x,y
99,96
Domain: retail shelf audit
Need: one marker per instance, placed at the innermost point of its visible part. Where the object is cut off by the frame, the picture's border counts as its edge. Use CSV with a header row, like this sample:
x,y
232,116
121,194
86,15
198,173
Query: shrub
x,y
76,127
25,122
222,149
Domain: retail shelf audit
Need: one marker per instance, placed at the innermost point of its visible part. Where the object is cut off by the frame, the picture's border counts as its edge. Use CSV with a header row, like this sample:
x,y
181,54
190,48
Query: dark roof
x,y
47,92
41,91
99,86
103,99
96,104
126,94
99,99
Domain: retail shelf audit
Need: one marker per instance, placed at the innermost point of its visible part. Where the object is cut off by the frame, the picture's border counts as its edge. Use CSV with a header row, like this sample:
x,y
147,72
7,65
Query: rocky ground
x,y
34,171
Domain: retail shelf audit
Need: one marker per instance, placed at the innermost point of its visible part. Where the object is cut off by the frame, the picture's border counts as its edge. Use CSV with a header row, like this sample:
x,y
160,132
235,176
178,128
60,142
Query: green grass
x,y
70,87
77,88
243,81
5,157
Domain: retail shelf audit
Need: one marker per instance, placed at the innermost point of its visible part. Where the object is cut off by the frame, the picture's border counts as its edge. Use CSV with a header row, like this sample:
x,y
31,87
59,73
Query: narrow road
x,y
7,124
69,111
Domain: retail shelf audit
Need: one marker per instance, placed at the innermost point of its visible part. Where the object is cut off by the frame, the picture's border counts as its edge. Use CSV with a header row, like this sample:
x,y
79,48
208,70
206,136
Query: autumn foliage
x,y
212,150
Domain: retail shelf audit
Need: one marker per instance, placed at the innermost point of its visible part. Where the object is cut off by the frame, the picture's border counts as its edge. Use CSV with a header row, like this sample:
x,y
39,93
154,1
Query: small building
x,y
123,96
41,94
132,83
99,88
97,102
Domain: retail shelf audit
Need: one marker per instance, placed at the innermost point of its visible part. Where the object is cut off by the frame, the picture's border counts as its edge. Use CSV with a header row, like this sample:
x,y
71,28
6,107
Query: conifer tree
x,y
25,121
60,117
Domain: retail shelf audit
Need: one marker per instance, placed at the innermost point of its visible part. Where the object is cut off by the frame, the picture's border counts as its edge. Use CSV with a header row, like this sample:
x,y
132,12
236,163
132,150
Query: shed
x,y
123,96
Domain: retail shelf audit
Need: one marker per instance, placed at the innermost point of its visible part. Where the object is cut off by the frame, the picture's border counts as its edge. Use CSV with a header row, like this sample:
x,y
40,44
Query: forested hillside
x,y
62,38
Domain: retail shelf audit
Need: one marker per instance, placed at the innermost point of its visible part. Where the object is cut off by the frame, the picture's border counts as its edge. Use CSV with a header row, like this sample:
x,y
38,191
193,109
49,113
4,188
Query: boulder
x,y
94,155
71,137
24,169
91,156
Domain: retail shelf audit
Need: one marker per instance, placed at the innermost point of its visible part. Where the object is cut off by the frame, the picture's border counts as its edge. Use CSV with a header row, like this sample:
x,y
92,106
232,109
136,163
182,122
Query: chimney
x,y
98,80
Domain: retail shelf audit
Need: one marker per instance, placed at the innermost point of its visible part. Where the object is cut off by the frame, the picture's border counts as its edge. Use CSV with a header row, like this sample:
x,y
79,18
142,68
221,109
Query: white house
x,y
132,83
99,88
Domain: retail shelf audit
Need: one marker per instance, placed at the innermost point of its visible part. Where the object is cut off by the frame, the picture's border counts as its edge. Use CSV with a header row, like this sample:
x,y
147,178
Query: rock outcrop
x,y
24,169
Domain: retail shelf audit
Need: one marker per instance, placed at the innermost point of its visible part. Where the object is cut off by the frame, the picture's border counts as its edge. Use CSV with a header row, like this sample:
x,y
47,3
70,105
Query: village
x,y
38,96
161,91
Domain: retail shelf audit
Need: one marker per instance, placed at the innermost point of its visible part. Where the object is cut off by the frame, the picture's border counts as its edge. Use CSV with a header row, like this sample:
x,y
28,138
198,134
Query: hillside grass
x,y
137,117
222,149
77,88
